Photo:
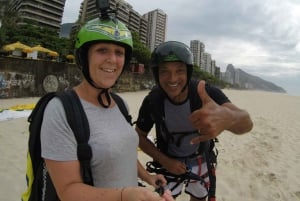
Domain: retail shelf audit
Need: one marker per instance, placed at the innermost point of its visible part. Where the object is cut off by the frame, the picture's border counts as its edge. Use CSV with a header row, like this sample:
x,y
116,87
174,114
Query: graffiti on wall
x,y
13,83
28,78
16,84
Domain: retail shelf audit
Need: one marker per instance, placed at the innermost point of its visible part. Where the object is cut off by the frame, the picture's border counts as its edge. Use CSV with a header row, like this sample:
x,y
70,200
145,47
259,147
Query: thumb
x,y
205,98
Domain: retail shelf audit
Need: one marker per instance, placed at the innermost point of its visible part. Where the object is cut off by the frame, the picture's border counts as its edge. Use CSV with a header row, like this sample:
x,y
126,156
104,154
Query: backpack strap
x,y
207,147
196,102
119,101
36,174
211,161
156,100
156,104
34,144
78,122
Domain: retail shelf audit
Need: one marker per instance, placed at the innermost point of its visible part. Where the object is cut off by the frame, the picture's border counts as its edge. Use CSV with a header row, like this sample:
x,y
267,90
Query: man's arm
x,y
212,119
241,121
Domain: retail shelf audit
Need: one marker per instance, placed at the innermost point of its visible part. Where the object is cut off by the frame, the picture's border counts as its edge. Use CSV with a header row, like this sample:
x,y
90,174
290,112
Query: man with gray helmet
x,y
183,132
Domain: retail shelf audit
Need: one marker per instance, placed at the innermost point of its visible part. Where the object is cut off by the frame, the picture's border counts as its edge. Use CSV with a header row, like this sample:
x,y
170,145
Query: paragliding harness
x,y
206,149
39,184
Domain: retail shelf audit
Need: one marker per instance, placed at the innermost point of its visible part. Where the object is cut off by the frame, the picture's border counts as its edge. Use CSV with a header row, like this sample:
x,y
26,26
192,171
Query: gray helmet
x,y
172,51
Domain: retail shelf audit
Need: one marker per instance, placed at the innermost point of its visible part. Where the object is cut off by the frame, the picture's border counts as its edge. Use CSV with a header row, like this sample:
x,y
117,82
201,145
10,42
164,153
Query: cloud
x,y
260,37
71,11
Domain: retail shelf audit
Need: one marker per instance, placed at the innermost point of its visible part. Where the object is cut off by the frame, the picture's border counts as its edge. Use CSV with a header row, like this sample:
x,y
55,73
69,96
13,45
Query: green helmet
x,y
99,30
172,51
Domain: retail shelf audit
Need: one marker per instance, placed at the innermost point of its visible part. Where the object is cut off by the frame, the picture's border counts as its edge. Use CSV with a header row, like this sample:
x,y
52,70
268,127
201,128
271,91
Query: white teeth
x,y
173,85
108,70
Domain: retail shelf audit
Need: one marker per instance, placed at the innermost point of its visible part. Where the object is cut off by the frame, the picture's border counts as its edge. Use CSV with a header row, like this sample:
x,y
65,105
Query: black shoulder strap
x,y
78,122
35,122
156,98
119,101
156,104
206,147
36,178
196,102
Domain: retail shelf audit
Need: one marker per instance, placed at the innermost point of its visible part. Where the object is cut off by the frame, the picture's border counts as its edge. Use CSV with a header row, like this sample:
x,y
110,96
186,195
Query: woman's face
x,y
106,61
172,79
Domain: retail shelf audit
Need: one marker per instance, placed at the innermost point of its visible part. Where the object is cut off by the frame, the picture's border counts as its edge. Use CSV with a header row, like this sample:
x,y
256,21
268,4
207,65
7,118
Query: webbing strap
x,y
122,107
154,167
78,122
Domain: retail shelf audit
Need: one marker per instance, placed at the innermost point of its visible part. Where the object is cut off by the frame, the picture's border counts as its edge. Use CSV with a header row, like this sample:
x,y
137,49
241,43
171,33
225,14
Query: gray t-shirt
x,y
113,141
181,129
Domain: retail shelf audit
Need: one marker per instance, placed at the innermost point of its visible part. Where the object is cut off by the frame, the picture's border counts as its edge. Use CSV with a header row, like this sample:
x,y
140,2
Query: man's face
x,y
172,79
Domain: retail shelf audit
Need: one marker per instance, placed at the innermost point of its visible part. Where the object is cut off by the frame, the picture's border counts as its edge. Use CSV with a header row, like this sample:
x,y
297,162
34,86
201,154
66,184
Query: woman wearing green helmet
x,y
103,31
103,49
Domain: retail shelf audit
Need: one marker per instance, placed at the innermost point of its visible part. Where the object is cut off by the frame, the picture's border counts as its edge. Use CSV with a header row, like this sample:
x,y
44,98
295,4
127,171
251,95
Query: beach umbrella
x,y
53,54
8,48
27,50
40,48
16,45
70,57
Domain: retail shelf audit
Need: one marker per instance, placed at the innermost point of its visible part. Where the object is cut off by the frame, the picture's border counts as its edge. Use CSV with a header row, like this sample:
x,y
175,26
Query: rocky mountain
x,y
245,80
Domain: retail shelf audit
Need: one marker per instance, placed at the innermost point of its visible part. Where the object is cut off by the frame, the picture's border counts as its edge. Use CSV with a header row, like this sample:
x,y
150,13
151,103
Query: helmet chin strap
x,y
107,96
103,91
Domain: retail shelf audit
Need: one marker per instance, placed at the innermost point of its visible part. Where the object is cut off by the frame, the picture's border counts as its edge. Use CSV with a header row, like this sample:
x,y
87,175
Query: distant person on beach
x,y
183,133
103,50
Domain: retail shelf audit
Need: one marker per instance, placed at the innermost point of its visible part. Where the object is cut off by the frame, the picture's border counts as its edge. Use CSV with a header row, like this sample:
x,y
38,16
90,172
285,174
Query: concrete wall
x,y
21,77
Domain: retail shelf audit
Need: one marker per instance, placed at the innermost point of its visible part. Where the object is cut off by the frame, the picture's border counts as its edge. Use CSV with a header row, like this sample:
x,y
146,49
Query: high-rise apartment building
x,y
157,22
218,72
124,12
207,62
2,6
198,48
43,13
213,67
151,27
143,30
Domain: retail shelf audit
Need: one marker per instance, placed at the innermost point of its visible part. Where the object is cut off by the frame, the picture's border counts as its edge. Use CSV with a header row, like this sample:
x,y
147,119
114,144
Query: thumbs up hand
x,y
205,98
211,119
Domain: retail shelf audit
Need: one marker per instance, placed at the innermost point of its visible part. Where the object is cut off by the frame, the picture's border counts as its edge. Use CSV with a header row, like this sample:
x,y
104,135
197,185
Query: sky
x,y
260,37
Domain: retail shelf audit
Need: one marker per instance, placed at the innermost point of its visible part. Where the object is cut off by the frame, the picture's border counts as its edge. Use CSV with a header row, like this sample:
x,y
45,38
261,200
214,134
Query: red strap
x,y
199,165
212,199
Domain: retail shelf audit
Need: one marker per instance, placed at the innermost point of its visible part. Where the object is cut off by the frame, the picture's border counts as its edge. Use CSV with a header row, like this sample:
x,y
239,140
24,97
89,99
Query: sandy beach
x,y
262,165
